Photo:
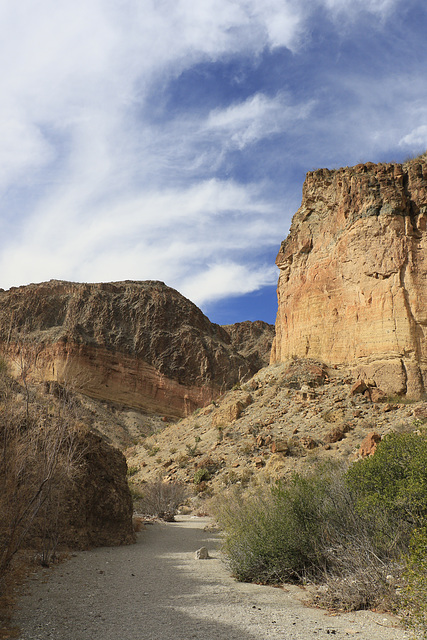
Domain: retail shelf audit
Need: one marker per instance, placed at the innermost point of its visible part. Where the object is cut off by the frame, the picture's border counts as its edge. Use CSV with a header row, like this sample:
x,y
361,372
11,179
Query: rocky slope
x,y
139,344
353,274
287,418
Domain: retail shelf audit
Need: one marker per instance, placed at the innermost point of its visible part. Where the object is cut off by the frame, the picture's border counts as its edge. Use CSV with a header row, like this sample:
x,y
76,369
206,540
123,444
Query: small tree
x,y
391,487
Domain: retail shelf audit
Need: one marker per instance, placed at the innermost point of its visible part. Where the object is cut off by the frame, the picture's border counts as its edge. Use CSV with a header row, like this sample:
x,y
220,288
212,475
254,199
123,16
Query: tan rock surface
x,y
353,283
140,344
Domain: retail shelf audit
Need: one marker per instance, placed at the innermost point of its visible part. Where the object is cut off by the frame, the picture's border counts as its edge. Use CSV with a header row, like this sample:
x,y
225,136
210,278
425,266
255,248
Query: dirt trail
x,y
157,590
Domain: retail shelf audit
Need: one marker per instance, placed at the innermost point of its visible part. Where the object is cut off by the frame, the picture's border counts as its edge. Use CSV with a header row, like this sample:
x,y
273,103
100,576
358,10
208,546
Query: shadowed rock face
x,y
253,340
353,274
141,344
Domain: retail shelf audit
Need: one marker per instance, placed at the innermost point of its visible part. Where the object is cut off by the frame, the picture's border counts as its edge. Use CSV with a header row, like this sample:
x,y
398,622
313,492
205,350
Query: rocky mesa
x,y
139,344
353,274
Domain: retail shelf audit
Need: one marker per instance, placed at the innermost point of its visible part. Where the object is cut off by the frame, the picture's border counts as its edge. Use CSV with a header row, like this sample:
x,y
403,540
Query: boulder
x,y
369,444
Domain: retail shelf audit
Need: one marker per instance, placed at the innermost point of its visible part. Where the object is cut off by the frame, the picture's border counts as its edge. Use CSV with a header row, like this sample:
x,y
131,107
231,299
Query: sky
x,y
169,139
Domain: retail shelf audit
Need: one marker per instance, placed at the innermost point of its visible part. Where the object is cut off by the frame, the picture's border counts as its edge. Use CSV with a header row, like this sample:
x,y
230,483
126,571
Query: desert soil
x,y
157,590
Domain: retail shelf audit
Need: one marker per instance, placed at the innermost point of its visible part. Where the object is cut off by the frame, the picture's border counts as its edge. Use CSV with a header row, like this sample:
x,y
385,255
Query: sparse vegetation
x,y
162,499
415,582
132,471
192,449
351,530
152,452
201,475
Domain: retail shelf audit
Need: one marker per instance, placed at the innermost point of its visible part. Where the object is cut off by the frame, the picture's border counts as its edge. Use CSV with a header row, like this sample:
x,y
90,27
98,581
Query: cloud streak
x,y
104,175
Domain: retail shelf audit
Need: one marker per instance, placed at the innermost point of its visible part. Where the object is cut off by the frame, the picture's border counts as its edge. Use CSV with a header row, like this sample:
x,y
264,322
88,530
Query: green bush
x,y
415,576
283,532
391,488
348,528
132,471
308,528
201,475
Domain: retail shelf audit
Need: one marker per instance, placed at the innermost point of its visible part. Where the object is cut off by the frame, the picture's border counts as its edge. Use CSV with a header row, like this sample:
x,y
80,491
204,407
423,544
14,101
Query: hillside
x,y
288,417
138,344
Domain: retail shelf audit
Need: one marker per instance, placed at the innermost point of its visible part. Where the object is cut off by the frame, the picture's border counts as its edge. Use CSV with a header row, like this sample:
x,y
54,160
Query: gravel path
x,y
157,590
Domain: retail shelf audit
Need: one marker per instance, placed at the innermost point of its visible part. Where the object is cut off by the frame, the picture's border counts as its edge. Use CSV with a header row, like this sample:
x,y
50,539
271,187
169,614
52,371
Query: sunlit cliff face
x,y
353,274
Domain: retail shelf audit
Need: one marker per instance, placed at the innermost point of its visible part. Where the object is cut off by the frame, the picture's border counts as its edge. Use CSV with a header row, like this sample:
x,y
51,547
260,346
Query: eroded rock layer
x,y
353,274
141,344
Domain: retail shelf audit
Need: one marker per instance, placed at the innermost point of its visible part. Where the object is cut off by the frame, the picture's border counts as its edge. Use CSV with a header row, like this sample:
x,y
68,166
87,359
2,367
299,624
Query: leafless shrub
x,y
38,457
162,499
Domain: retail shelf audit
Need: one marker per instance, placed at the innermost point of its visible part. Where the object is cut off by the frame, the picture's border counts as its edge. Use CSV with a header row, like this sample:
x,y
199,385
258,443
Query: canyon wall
x,y
140,344
353,274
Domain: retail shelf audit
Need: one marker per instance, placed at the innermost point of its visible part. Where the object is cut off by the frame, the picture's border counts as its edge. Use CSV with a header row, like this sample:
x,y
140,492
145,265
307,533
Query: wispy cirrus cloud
x,y
257,118
104,175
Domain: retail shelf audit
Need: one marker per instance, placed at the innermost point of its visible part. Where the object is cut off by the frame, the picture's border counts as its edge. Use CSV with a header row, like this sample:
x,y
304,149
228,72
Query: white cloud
x,y
226,279
115,195
352,7
257,118
160,235
417,138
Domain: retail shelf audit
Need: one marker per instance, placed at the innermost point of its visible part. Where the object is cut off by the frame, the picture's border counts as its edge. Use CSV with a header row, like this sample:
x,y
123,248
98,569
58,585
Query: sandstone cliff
x,y
140,344
353,274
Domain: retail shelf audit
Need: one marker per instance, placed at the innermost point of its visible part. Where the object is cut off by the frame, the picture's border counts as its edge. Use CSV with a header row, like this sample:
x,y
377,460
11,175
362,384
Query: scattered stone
x,y
369,444
231,411
202,554
308,442
358,387
420,412
305,393
280,446
335,435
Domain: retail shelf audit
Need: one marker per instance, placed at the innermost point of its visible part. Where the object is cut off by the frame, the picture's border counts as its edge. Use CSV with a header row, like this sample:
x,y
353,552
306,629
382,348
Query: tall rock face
x,y
140,344
353,274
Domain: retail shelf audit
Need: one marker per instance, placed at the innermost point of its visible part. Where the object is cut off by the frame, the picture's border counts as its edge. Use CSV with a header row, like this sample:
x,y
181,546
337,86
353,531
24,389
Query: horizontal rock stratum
x,y
140,344
353,274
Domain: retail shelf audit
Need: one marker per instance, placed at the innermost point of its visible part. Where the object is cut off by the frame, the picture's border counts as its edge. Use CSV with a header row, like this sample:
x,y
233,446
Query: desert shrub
x,y
275,534
201,475
132,471
152,452
162,499
307,528
391,488
415,577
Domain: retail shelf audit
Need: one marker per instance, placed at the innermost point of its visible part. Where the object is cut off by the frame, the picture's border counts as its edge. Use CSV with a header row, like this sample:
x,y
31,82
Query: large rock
x,y
98,506
353,274
140,344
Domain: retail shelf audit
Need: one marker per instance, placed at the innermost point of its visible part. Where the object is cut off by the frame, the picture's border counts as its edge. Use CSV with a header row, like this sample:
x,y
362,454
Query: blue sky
x,y
169,140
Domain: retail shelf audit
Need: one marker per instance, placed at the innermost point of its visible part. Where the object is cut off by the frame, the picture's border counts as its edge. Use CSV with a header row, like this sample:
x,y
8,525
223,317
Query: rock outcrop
x,y
253,340
140,344
98,505
353,274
